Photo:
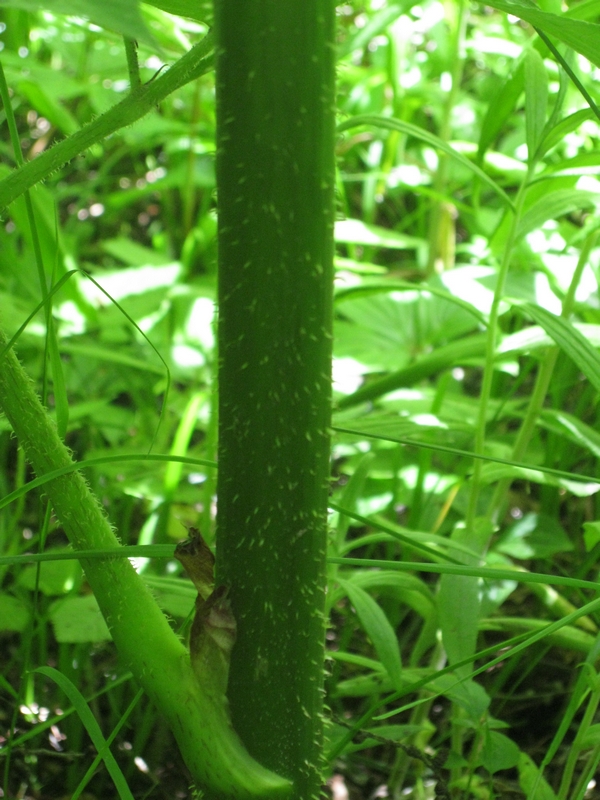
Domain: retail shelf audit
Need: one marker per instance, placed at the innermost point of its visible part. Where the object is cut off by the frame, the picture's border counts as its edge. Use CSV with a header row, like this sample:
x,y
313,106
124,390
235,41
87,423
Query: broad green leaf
x,y
499,109
459,598
355,231
408,128
351,494
378,628
442,358
557,134
121,16
570,340
78,619
536,100
576,430
376,23
582,164
412,592
496,472
92,727
568,636
14,614
200,10
555,204
584,37
385,285
588,10
591,534
56,577
531,780
534,536
499,752
531,339
174,595
48,107
591,737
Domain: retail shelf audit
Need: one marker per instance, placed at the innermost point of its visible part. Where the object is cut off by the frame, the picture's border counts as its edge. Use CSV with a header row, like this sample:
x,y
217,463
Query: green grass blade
x,y
570,341
429,138
378,628
92,727
584,37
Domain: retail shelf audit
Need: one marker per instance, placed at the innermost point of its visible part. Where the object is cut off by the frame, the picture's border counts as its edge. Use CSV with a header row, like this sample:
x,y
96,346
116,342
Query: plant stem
x,y
488,372
138,102
275,179
542,383
144,639
441,222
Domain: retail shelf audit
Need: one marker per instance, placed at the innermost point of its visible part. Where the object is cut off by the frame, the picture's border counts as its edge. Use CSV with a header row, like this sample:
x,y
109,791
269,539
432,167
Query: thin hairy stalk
x,y
159,661
138,103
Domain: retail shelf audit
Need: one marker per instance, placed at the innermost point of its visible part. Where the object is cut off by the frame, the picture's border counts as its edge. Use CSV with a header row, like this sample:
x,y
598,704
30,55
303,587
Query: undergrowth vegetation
x,y
464,534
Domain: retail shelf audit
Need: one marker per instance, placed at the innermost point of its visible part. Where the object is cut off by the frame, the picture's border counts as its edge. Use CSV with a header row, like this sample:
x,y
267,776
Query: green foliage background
x,y
466,323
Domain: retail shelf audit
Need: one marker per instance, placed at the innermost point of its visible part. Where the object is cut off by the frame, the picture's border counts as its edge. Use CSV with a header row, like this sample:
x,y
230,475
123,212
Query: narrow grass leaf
x,y
122,16
554,204
536,100
408,128
92,727
499,109
584,37
570,341
200,10
61,401
378,628
532,782
567,125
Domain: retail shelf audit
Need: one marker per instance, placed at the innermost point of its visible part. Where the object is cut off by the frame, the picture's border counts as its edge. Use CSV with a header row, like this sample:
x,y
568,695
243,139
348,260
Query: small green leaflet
x,y
378,628
570,341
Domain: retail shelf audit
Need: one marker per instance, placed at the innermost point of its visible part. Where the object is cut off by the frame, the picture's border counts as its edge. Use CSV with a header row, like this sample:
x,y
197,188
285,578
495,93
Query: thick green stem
x,y
275,179
139,102
148,646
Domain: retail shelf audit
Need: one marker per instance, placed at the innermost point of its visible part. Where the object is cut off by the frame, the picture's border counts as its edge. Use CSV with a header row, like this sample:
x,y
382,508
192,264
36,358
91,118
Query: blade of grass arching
x,y
43,726
53,291
181,443
106,746
559,473
125,551
570,72
536,100
194,63
375,287
491,573
584,37
429,138
570,341
441,358
92,727
157,524
94,462
406,538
